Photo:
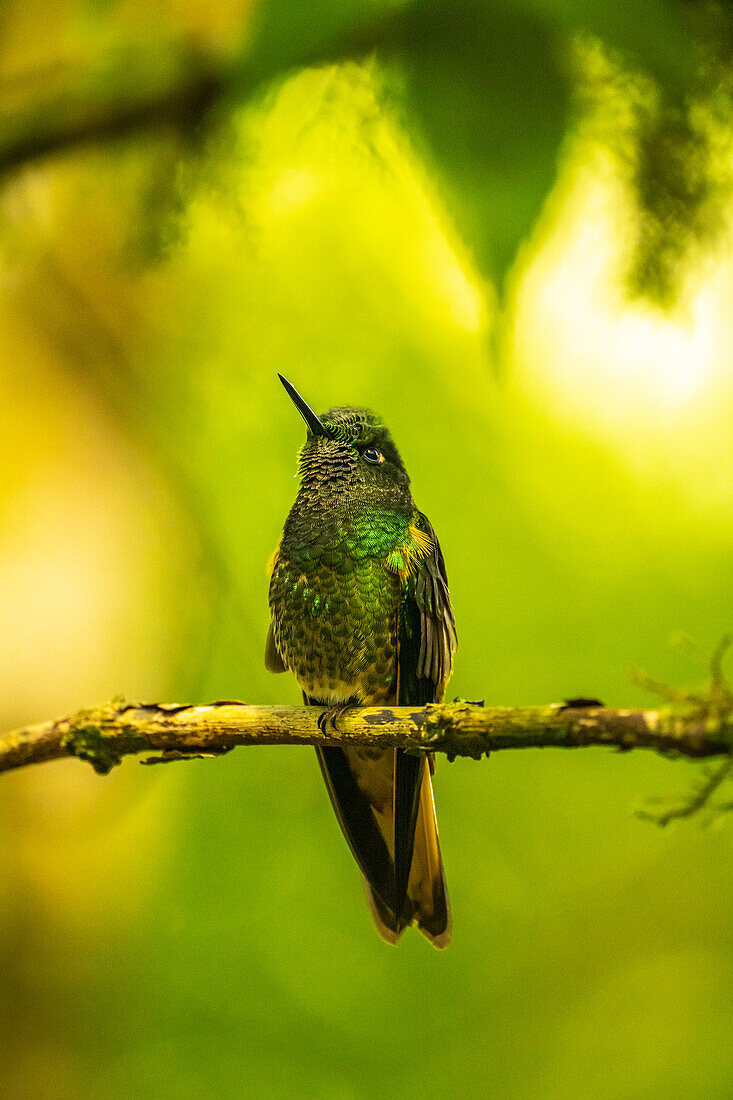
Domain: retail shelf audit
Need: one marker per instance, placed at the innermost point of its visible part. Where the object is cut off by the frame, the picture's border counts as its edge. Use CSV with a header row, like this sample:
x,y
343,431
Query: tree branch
x,y
105,734
127,92
133,88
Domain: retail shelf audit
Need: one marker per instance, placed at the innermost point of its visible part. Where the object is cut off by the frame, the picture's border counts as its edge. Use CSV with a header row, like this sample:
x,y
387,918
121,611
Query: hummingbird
x,y
361,615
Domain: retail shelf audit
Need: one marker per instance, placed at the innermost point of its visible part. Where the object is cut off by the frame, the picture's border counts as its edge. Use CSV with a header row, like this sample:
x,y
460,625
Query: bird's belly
x,y
332,692
337,632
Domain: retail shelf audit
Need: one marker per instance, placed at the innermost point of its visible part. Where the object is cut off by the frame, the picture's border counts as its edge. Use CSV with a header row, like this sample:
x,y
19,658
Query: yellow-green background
x,y
199,929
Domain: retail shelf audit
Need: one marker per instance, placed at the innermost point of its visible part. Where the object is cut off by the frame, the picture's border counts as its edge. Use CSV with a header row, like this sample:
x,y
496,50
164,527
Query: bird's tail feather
x,y
427,903
427,891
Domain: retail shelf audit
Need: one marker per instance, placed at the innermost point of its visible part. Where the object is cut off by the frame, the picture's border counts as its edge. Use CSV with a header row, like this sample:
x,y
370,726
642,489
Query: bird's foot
x,y
328,719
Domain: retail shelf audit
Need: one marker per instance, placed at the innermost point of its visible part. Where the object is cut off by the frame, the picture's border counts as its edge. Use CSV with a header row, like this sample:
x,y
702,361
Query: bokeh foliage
x,y
386,201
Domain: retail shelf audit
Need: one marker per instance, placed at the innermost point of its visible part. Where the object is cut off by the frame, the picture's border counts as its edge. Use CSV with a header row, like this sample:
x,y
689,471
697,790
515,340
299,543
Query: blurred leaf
x,y
672,147
677,194
482,86
288,35
682,171
486,96
655,35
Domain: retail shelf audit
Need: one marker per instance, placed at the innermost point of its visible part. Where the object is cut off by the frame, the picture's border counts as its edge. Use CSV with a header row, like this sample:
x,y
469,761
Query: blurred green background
x,y
502,226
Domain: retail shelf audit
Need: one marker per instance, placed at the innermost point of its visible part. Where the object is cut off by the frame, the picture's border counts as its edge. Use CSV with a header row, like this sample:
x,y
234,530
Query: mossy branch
x,y
105,734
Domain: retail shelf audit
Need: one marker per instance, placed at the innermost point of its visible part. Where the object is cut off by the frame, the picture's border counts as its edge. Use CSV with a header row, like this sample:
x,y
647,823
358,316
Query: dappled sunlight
x,y
75,560
655,388
465,307
291,190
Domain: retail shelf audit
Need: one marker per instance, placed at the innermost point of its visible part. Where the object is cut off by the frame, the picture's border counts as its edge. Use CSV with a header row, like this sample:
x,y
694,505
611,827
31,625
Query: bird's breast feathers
x,y
336,611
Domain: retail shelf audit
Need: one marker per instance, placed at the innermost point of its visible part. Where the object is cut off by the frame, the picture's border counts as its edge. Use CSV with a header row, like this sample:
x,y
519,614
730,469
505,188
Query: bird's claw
x,y
328,719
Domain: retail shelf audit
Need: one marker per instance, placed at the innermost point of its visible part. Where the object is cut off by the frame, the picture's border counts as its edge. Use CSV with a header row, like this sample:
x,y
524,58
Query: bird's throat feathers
x,y
336,472
355,493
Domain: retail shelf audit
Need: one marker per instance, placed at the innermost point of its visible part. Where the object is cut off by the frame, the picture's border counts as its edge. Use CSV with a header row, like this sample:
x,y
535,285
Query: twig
x,y
690,803
711,707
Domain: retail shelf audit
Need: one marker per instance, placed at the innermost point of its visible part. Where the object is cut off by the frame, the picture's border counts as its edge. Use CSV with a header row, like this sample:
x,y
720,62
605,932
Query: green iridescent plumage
x,y
361,614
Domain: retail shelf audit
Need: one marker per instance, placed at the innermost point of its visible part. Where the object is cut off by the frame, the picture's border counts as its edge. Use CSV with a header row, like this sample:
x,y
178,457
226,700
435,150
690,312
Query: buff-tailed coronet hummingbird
x,y
361,615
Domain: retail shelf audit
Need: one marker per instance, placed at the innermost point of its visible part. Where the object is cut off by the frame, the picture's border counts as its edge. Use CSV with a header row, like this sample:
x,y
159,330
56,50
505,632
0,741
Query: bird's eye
x,y
371,454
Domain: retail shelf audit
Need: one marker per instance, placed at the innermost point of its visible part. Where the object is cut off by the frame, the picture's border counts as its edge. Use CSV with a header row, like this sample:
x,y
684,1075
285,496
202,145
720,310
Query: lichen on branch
x,y
104,735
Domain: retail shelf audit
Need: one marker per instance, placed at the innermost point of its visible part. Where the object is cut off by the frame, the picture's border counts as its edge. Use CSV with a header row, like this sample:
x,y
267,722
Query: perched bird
x,y
361,616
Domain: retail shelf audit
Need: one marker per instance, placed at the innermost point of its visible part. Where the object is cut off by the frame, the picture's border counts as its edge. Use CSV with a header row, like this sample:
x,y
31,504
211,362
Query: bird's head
x,y
350,451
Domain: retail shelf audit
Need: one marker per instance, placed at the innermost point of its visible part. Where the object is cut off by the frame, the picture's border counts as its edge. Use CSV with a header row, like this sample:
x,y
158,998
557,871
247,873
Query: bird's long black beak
x,y
305,410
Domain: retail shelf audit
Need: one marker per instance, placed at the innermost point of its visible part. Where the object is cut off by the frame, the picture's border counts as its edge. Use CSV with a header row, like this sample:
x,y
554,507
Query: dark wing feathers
x,y
273,660
408,772
438,640
358,825
427,641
